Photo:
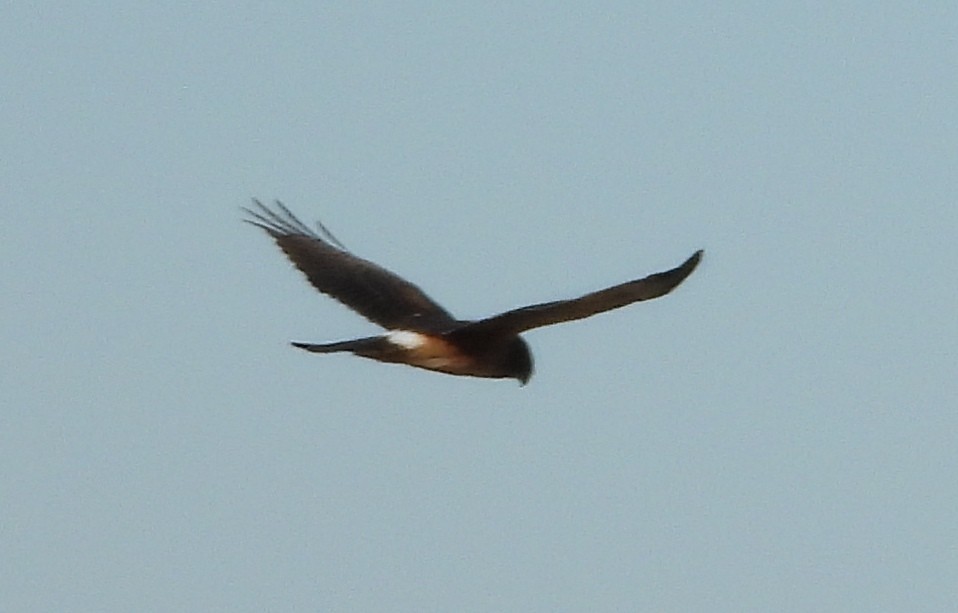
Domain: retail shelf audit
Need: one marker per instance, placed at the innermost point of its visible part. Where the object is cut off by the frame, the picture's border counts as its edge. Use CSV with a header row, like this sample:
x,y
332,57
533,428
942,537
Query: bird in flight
x,y
421,333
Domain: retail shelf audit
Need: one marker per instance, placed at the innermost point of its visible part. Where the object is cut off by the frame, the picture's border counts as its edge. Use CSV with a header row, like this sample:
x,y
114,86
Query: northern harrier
x,y
419,331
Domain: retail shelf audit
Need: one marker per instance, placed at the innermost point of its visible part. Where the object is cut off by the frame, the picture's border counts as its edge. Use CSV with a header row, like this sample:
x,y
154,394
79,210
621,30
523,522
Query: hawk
x,y
420,332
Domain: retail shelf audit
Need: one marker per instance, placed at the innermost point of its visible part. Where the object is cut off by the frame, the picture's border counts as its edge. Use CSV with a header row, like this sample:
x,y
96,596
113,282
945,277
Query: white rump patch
x,y
406,339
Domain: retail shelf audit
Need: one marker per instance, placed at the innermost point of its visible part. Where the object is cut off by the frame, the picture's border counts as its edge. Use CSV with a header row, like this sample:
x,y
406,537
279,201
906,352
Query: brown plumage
x,y
421,332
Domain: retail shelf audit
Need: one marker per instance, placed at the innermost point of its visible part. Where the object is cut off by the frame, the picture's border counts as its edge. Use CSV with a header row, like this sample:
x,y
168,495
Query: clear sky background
x,y
779,434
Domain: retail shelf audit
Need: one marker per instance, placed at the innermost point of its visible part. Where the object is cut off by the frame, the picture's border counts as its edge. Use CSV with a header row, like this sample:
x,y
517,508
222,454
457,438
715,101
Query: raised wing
x,y
369,289
538,315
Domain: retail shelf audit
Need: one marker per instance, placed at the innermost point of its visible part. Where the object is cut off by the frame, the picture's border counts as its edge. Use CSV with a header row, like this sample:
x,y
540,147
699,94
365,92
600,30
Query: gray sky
x,y
778,434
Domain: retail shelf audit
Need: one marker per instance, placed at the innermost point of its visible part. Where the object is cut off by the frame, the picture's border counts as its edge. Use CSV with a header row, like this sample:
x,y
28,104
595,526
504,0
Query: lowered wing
x,y
538,315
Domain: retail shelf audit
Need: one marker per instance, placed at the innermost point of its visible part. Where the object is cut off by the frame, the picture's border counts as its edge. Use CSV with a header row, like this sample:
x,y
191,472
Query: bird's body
x,y
420,332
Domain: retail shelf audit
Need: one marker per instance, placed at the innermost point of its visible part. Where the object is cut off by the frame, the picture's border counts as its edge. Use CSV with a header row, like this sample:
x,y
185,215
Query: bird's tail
x,y
359,345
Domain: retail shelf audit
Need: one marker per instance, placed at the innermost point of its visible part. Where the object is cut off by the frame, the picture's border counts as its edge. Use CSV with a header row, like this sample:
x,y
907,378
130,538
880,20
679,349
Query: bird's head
x,y
519,361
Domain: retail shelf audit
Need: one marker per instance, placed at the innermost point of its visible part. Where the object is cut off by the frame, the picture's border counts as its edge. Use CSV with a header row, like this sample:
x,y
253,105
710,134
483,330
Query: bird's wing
x,y
538,315
369,289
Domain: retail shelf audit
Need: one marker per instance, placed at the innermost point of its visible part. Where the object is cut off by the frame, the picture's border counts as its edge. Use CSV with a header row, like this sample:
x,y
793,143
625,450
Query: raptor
x,y
420,332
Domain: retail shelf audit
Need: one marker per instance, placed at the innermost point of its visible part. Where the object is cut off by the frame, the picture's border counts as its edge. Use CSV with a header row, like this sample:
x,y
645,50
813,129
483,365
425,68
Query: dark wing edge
x,y
377,294
548,313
